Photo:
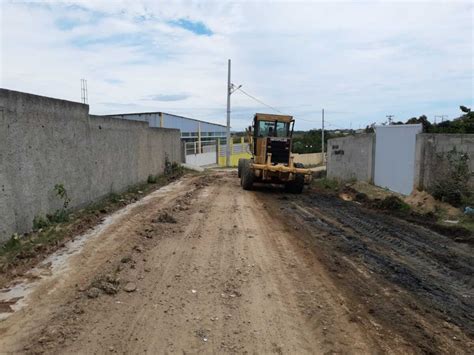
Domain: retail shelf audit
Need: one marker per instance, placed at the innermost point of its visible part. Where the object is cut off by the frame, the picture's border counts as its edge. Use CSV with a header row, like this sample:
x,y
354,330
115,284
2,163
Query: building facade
x,y
192,130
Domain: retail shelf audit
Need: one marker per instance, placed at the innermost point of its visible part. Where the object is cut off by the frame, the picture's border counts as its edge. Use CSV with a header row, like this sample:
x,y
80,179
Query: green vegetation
x,y
152,179
453,187
467,222
310,142
326,184
392,203
59,216
53,230
462,124
172,168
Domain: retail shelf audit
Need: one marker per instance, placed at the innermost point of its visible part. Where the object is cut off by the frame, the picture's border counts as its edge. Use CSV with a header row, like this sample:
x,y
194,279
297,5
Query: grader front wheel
x,y
247,176
296,186
239,167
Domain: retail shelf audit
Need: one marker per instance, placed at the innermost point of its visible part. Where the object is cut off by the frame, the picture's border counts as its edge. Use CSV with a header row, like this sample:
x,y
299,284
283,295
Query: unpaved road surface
x,y
202,266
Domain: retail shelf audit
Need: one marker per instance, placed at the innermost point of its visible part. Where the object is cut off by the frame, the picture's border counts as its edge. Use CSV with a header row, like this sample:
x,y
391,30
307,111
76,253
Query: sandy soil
x,y
202,266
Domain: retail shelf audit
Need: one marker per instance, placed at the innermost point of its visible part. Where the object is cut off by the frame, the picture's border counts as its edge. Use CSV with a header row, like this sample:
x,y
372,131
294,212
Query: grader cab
x,y
270,139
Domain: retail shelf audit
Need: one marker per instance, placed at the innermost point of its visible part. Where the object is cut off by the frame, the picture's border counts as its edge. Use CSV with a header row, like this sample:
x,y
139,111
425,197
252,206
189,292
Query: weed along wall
x,y
442,162
439,155
46,142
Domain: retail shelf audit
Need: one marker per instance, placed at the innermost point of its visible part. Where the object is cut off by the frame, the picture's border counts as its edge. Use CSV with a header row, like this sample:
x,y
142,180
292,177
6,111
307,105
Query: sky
x,y
360,61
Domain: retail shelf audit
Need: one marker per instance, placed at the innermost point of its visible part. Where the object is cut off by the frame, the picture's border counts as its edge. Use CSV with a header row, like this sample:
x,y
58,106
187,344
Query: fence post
x,y
199,137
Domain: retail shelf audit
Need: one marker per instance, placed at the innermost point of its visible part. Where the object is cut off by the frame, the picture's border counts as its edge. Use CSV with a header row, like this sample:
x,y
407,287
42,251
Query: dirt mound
x,y
423,202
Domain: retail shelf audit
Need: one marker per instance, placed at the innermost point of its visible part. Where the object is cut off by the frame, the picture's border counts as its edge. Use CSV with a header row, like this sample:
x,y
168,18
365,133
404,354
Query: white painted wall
x,y
202,159
395,157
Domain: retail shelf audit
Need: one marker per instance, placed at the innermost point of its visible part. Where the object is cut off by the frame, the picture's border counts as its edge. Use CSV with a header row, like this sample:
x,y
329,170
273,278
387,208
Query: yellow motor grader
x,y
270,141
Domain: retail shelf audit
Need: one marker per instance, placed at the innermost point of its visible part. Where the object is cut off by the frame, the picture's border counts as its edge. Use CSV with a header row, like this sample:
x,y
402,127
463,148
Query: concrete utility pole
x,y
390,118
440,116
322,137
84,94
227,146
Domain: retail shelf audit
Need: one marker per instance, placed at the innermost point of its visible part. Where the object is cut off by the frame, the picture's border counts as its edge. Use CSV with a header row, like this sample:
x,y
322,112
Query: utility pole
x,y
227,145
440,116
322,136
84,94
390,118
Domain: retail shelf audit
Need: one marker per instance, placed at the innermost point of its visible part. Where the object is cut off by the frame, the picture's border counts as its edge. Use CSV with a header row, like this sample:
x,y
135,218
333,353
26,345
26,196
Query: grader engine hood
x,y
279,148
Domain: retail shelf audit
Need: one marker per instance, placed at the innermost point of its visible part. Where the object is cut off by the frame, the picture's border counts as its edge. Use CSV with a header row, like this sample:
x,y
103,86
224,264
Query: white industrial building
x,y
192,130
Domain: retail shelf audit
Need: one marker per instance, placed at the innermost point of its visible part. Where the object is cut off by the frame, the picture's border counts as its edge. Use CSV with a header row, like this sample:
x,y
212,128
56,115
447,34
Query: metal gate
x,y
395,157
201,154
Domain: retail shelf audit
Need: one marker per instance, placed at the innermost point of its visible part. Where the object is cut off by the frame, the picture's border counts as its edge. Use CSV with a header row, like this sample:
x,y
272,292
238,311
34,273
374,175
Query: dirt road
x,y
202,266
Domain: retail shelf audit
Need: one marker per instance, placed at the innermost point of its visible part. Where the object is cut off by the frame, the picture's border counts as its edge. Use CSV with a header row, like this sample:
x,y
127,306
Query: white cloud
x,y
358,60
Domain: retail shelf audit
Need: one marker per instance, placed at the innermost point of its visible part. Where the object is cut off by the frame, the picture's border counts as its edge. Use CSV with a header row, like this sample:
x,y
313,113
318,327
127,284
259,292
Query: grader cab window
x,y
282,129
273,129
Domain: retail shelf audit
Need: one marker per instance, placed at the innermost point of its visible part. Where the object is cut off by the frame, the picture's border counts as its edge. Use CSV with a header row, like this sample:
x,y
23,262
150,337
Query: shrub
x,y
12,244
392,203
40,222
58,216
61,192
327,184
152,179
172,168
453,185
114,197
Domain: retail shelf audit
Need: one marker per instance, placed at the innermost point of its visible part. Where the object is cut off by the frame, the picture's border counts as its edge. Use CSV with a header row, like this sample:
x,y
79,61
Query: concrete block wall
x,y
351,157
308,158
45,141
430,162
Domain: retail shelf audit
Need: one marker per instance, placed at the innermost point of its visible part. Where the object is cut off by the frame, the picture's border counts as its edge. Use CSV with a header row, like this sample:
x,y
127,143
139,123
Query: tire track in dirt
x,y
418,283
240,272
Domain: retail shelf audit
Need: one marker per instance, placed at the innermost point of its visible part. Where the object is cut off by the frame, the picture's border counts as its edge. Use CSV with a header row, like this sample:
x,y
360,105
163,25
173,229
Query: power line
x,y
277,110
258,100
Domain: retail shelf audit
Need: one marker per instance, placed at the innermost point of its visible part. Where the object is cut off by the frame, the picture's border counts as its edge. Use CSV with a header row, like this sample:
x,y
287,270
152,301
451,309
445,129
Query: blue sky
x,y
359,60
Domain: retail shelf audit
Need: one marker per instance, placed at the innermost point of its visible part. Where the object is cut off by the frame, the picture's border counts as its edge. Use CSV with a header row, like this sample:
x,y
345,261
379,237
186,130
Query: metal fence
x,y
236,148
201,153
196,148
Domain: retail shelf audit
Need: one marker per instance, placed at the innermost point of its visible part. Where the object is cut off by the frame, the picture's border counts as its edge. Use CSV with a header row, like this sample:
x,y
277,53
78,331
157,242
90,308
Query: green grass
x,y
467,222
326,184
52,230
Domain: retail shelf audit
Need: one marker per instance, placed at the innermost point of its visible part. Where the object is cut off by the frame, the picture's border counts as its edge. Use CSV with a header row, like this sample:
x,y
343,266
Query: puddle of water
x,y
58,262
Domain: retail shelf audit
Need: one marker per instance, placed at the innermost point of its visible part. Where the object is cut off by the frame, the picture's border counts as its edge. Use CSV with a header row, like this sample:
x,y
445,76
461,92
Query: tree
x,y
310,142
423,120
462,124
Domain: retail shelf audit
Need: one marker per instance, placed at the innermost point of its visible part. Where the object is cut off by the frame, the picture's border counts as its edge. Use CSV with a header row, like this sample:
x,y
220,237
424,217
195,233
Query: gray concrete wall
x,y
430,161
351,157
45,141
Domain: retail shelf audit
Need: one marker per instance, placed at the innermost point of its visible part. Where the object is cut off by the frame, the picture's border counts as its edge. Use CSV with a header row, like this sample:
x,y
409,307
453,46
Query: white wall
x,y
202,159
395,157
